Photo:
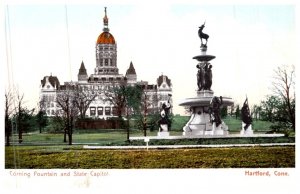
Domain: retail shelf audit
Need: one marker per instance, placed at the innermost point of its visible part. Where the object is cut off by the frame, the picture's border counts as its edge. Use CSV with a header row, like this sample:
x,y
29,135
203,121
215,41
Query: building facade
x,y
106,75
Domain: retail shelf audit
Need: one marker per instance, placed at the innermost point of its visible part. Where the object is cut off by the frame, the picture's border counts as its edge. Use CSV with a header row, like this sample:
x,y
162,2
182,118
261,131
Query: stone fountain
x,y
205,107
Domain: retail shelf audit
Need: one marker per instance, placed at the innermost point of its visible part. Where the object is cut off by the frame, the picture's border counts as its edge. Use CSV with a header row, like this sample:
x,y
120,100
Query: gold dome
x,y
106,38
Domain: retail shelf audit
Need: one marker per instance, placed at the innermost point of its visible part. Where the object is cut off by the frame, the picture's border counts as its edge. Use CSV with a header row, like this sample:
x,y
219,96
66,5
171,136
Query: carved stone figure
x,y
215,108
202,35
164,115
200,77
204,76
208,77
245,114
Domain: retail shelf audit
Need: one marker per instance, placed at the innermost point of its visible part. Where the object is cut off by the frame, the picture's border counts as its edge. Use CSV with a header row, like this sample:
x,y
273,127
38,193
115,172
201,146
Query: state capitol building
x,y
106,75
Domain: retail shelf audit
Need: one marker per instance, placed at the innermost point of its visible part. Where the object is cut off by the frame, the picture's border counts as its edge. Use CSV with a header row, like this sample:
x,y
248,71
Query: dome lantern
x,y
105,37
105,21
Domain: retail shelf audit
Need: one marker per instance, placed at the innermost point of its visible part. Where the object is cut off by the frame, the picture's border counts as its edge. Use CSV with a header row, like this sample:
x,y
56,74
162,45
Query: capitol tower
x,y
106,51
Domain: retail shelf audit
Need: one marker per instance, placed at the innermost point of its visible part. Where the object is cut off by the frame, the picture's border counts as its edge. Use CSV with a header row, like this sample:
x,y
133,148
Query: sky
x,y
248,40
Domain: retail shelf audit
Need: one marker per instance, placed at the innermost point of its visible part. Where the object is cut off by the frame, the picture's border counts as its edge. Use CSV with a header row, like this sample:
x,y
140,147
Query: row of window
x,y
53,112
46,98
106,48
107,62
100,111
108,70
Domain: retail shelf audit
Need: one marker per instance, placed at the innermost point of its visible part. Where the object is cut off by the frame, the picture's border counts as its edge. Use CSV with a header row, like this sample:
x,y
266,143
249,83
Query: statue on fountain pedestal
x,y
215,108
204,76
203,36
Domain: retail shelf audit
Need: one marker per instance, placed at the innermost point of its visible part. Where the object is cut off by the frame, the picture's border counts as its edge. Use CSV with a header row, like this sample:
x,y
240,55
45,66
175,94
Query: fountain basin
x,y
203,101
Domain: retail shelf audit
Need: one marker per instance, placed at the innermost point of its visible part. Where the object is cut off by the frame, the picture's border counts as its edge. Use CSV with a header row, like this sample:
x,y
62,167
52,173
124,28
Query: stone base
x,y
163,134
205,129
248,131
163,128
199,123
205,93
217,130
164,131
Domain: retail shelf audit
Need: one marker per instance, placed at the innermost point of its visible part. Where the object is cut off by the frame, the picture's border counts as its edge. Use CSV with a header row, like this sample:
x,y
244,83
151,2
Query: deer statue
x,y
202,35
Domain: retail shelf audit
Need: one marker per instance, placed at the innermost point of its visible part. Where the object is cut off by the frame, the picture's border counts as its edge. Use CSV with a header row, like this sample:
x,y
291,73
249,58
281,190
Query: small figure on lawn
x,y
164,115
245,114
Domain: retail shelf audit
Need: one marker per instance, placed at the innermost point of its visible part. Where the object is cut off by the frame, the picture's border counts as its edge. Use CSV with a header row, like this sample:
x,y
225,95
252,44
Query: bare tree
x,y
284,87
8,112
145,108
256,112
116,95
83,98
66,100
126,100
41,117
19,109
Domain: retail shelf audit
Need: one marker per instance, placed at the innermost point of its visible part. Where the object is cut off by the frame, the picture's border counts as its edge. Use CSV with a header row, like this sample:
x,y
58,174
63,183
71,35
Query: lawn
x,y
233,124
74,157
118,137
47,150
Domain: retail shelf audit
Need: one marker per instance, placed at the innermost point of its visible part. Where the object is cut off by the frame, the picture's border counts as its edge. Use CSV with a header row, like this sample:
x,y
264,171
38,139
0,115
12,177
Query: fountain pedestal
x,y
200,120
205,108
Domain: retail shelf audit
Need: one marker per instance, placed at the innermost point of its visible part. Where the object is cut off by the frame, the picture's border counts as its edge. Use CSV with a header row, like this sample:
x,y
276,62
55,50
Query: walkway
x,y
206,136
186,146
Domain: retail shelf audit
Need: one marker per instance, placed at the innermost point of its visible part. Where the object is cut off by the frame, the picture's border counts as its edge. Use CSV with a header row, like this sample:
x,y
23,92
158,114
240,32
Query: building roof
x,y
131,70
53,80
106,38
82,69
161,78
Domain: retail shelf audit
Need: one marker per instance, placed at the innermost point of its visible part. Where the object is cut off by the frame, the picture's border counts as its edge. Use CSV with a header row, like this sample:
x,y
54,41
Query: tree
x,y
18,116
274,110
83,99
66,100
237,112
270,108
145,106
132,103
8,111
26,121
224,112
284,88
256,112
116,95
126,100
41,120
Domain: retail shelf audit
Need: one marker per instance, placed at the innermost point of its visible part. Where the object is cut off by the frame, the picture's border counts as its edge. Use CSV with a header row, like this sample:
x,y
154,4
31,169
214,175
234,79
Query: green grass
x,y
117,137
45,157
233,124
100,137
217,141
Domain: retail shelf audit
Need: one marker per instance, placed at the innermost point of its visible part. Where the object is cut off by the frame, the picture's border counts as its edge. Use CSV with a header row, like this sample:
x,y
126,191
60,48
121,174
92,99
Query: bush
x,y
56,125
